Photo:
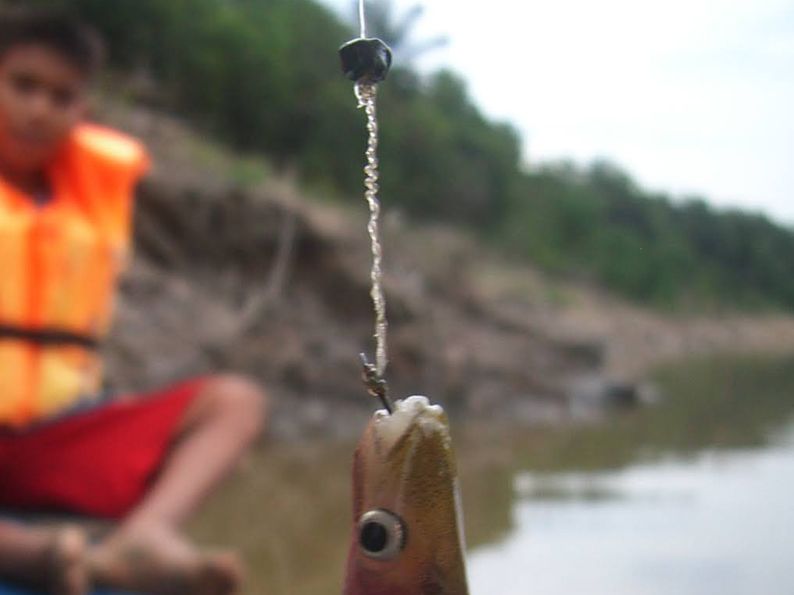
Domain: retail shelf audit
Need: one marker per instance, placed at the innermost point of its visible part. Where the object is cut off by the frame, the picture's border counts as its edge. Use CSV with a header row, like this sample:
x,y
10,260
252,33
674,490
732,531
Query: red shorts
x,y
97,463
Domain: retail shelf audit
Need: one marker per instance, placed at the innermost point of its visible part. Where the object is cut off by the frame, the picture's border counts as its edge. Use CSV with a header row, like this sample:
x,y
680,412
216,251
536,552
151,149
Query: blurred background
x,y
588,263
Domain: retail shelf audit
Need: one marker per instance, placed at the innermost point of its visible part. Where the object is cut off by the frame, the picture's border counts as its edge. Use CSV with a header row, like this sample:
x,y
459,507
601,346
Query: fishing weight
x,y
365,60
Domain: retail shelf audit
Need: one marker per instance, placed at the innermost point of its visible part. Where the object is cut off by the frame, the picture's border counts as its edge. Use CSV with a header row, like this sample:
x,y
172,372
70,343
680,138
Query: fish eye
x,y
381,534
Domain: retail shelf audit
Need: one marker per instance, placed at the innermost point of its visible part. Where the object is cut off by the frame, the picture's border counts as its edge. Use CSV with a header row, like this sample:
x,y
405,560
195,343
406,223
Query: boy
x,y
65,200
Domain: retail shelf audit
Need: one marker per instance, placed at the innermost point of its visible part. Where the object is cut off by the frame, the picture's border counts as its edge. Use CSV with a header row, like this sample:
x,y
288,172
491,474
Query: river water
x,y
694,495
720,523
703,508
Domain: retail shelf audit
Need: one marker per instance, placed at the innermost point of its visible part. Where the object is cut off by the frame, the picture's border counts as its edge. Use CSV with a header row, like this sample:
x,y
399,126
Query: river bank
x,y
236,268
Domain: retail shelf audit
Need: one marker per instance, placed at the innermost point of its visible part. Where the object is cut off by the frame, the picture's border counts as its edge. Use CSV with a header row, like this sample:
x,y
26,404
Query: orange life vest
x,y
58,266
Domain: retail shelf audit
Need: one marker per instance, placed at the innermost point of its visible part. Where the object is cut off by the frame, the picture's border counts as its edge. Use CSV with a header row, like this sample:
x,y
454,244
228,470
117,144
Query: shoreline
x,y
281,294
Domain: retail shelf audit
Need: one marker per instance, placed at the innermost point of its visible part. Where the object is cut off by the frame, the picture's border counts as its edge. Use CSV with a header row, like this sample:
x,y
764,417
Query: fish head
x,y
407,535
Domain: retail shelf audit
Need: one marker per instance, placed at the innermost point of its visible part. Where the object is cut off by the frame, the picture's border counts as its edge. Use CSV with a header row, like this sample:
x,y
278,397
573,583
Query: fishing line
x,y
362,21
366,62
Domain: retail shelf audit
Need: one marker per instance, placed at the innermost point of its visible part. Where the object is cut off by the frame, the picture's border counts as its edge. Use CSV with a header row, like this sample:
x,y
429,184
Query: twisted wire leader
x,y
366,94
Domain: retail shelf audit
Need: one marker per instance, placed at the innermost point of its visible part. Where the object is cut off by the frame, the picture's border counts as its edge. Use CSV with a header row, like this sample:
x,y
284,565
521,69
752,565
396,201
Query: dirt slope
x,y
235,270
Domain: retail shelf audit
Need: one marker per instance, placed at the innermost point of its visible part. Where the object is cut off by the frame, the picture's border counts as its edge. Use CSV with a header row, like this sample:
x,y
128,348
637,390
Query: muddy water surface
x,y
692,496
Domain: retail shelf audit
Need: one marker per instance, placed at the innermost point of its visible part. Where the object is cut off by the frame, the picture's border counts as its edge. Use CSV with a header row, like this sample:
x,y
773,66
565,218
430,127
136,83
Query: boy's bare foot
x,y
160,562
51,559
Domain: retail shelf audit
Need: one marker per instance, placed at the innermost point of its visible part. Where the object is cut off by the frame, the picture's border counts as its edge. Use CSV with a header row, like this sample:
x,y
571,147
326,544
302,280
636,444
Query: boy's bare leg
x,y
147,551
49,559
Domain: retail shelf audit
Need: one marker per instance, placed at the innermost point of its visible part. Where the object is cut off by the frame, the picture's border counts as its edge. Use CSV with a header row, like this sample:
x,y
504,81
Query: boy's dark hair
x,y
75,41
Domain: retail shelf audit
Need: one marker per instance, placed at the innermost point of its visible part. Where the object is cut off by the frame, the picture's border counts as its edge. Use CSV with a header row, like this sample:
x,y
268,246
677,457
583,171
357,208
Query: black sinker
x,y
374,537
365,60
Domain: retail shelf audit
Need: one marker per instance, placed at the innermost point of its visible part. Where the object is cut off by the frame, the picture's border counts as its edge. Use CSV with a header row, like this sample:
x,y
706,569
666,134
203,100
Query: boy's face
x,y
42,97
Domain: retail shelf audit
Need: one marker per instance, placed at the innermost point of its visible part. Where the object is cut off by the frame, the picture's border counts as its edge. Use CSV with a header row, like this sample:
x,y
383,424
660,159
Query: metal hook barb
x,y
375,384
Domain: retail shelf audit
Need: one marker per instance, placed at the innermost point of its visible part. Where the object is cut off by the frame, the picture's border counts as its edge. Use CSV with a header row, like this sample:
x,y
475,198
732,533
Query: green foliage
x,y
595,222
263,75
441,159
260,74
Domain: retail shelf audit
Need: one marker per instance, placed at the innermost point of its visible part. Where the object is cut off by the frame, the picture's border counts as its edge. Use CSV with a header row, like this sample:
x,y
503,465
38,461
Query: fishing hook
x,y
375,384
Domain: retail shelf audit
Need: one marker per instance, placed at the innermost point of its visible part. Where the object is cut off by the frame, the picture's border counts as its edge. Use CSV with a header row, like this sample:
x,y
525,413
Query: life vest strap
x,y
47,336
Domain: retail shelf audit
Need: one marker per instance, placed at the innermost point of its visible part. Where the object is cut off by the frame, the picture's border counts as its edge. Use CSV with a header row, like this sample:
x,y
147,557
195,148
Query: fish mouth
x,y
414,413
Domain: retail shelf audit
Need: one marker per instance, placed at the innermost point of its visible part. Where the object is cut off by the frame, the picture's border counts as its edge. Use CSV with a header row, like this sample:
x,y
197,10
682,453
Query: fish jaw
x,y
404,465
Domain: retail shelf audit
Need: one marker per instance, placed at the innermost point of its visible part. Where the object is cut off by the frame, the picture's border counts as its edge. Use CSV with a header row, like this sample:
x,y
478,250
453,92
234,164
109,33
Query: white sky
x,y
689,96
